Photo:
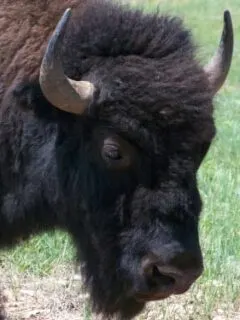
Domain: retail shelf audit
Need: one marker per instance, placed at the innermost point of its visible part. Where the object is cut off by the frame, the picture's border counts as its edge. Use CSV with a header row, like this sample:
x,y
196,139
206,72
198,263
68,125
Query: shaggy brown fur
x,y
25,26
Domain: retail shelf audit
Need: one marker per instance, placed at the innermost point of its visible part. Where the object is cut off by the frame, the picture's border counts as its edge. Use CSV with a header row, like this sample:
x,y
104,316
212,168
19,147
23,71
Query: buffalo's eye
x,y
112,151
116,152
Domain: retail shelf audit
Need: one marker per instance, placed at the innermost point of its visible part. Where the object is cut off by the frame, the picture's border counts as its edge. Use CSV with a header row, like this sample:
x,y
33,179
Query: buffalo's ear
x,y
218,67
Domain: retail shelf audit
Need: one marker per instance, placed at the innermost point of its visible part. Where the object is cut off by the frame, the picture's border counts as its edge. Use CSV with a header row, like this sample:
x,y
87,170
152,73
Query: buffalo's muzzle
x,y
170,277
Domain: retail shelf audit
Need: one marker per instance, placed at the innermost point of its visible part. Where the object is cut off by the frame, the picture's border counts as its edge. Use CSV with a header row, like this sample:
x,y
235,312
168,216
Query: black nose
x,y
172,277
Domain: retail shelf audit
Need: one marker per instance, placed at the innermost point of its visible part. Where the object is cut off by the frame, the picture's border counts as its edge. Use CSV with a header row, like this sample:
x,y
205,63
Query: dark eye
x,y
117,153
112,151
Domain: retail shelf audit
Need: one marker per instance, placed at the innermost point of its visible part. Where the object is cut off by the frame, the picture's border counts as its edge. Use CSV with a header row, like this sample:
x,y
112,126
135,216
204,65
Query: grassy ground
x,y
217,294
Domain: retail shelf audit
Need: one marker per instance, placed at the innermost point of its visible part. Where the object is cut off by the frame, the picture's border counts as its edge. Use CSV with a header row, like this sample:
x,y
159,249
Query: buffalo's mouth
x,y
154,296
151,297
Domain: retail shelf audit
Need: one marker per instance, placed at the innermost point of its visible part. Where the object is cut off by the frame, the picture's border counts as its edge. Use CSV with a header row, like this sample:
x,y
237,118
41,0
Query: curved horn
x,y
218,67
65,94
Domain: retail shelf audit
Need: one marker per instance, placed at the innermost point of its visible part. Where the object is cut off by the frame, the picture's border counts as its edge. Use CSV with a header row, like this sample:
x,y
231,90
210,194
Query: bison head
x,y
138,124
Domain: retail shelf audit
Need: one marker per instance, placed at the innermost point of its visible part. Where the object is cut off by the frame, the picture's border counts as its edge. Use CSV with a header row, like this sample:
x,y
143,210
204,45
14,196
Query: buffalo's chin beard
x,y
109,285
109,298
126,309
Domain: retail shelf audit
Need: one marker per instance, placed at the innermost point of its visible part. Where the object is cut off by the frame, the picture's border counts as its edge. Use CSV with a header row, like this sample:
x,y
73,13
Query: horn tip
x,y
227,17
227,13
66,15
68,11
60,29
228,27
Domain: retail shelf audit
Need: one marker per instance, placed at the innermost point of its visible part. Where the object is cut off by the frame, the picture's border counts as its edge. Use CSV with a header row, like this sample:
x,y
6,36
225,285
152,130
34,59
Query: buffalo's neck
x,y
29,195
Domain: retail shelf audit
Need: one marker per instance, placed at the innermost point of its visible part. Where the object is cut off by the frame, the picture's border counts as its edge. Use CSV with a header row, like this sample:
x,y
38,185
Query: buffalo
x,y
106,115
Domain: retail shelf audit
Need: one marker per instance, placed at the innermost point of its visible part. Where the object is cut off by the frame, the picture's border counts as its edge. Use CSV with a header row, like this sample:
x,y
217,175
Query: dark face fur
x,y
147,132
134,169
142,208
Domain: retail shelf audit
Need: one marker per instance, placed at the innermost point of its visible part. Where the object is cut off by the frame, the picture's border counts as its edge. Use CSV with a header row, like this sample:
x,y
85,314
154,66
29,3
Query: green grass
x,y
41,253
219,175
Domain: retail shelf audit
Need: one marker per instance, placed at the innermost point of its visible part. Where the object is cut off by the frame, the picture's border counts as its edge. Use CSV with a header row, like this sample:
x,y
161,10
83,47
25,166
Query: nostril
x,y
170,271
175,276
156,277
